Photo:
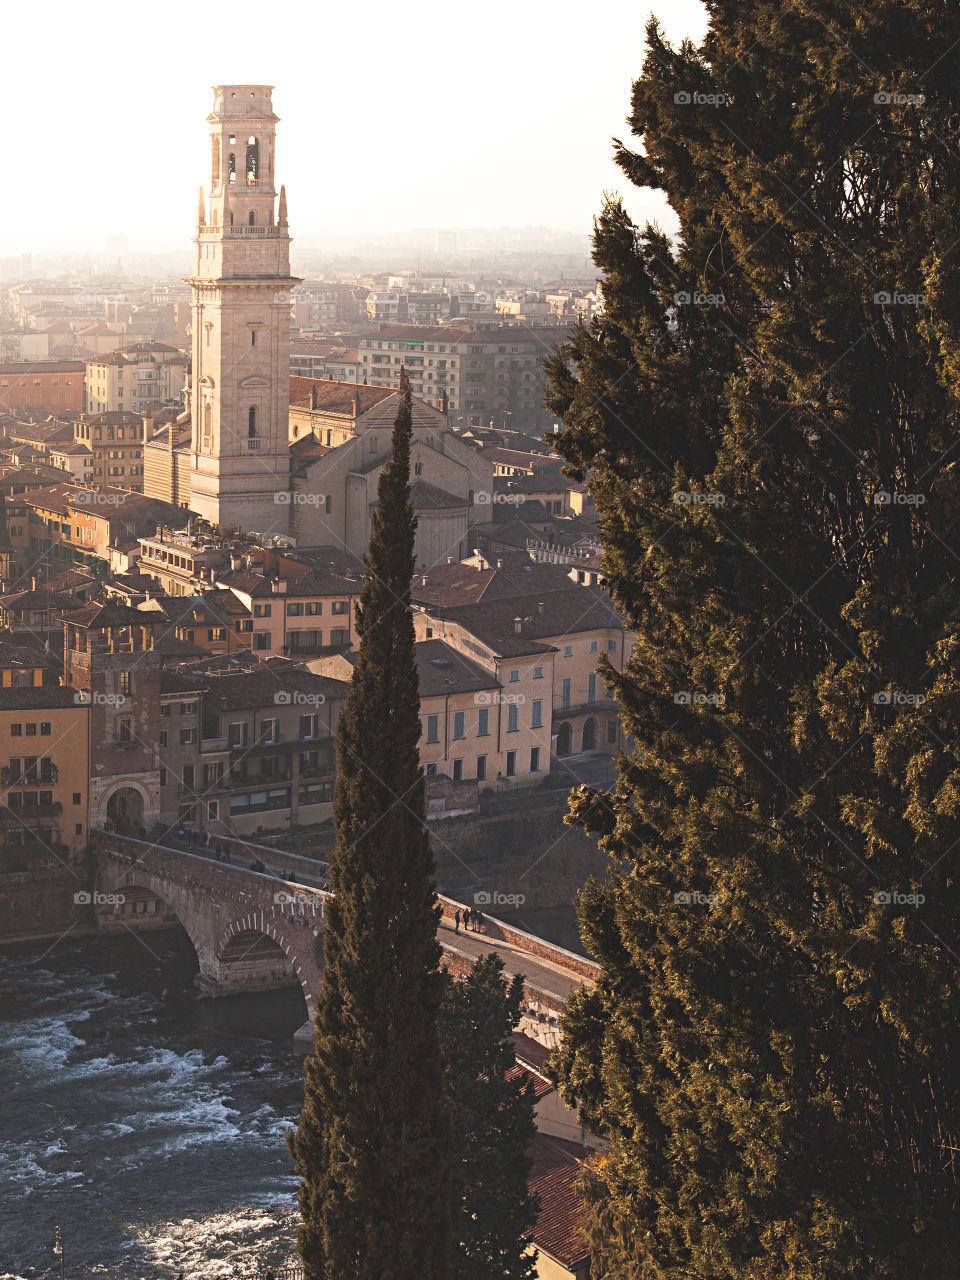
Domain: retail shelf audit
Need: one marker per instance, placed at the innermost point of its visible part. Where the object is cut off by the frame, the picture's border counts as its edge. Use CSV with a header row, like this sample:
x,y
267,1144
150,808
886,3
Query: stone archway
x,y
125,810
589,734
564,738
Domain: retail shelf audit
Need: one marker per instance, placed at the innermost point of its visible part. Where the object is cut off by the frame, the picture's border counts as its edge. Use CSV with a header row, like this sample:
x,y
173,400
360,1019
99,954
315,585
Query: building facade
x,y
148,376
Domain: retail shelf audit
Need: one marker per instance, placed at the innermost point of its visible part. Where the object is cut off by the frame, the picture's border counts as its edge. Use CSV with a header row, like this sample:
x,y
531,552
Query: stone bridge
x,y
261,930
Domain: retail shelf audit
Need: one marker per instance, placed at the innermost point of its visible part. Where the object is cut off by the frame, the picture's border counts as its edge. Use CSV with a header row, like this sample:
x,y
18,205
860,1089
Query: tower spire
x,y
202,216
282,211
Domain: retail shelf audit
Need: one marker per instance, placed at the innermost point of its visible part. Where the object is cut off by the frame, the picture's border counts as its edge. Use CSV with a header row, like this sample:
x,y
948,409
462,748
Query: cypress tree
x,y
491,1209
372,1145
768,413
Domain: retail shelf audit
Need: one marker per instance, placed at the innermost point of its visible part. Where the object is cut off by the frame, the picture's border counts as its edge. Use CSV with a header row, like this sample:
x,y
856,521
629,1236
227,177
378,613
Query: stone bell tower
x,y
239,397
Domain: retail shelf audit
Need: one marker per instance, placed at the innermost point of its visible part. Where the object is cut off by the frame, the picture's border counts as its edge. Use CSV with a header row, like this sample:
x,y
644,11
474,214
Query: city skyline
x,y
405,128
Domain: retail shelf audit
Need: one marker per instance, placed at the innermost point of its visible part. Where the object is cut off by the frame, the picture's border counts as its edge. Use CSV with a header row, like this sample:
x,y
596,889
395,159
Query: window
x,y
187,736
314,608
270,731
212,774
309,727
165,709
237,735
163,779
433,728
188,708
188,778
565,693
213,809
31,730
612,646
163,737
458,725
594,646
125,733
431,770
483,722
536,714
513,716
458,770
77,798
251,423
294,609
568,651
611,731
538,673
592,687
340,606
261,610
16,731
534,759
261,640
511,764
481,768
514,675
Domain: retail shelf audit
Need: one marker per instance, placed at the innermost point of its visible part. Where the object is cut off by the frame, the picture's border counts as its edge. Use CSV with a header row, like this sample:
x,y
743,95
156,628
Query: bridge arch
x,y
242,961
140,889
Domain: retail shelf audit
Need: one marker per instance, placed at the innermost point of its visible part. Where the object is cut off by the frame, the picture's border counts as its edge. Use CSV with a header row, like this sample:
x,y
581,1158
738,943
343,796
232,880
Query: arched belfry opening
x,y
232,166
215,162
253,160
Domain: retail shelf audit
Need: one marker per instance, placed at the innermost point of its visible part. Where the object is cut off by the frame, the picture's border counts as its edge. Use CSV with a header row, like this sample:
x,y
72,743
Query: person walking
x,y
478,921
456,921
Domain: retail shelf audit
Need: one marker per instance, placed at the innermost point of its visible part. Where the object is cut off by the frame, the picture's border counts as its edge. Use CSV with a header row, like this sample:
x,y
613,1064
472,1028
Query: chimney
x,y
517,625
449,559
539,606
313,396
499,564
423,580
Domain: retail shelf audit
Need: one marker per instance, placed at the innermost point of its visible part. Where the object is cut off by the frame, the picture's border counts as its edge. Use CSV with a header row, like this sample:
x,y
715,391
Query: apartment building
x,y
575,624
48,385
147,376
299,616
475,728
67,524
482,375
44,776
267,758
115,439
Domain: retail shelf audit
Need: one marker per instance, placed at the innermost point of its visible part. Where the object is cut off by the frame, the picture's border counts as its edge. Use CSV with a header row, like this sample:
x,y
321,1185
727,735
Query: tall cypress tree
x,y
372,1145
491,1208
768,413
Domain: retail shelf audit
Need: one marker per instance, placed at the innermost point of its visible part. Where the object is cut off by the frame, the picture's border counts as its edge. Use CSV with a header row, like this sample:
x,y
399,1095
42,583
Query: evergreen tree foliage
x,y
372,1145
492,1118
768,413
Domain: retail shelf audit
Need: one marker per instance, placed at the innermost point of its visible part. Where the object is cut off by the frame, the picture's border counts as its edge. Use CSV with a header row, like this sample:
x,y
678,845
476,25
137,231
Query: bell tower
x,y
239,396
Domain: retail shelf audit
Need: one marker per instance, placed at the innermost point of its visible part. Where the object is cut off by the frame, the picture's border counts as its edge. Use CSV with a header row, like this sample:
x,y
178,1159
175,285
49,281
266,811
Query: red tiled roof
x,y
558,1229
335,397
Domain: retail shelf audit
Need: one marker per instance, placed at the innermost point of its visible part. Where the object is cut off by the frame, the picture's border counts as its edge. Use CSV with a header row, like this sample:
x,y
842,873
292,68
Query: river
x,y
146,1122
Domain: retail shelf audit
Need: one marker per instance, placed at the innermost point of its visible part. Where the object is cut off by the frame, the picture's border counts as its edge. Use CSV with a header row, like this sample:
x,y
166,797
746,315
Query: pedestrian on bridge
x,y
456,921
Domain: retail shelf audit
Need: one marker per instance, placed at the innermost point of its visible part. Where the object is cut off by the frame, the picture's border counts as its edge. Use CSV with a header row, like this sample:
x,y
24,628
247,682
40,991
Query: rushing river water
x,y
147,1123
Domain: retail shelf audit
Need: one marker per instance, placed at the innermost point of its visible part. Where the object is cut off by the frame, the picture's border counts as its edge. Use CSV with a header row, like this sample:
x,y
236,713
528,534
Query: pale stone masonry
x,y
241,322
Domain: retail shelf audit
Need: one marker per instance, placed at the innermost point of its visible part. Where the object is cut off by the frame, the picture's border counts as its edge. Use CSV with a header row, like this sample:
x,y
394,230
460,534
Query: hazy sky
x,y
489,114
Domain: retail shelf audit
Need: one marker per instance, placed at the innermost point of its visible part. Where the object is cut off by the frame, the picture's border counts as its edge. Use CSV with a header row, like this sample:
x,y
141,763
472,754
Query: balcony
x,y
33,776
214,744
251,445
